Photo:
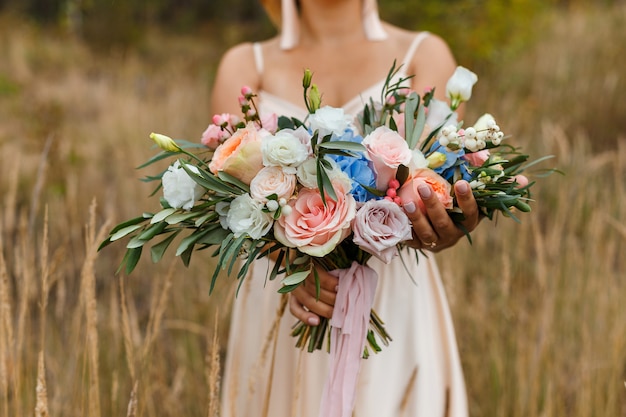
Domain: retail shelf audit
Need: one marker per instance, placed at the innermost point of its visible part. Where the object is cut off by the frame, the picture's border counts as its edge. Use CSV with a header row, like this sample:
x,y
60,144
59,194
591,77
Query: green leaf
x,y
234,181
343,145
135,242
181,217
152,231
216,236
287,288
156,158
124,232
296,278
130,260
162,215
131,222
420,122
191,240
410,106
157,251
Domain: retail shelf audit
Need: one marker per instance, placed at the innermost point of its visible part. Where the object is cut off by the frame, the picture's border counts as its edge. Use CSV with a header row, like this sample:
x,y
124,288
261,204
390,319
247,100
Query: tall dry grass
x,y
541,321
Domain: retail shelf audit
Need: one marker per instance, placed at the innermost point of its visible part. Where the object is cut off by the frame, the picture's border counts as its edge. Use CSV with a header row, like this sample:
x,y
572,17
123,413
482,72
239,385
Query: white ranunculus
x,y
179,189
285,149
272,180
329,120
246,216
459,87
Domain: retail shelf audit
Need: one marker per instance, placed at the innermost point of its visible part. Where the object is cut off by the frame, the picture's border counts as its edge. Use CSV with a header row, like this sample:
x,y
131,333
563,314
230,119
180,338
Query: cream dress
x,y
418,375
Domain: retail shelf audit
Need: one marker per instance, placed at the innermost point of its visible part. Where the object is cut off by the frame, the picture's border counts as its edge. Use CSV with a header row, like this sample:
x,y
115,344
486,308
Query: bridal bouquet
x,y
326,191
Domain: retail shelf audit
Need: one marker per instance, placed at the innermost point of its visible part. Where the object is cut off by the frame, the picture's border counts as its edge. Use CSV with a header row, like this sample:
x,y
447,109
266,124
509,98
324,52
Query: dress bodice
x,y
269,103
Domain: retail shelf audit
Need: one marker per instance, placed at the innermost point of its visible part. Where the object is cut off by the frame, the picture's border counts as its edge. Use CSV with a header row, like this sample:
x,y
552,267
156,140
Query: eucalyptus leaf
x,y
234,181
181,217
162,215
157,251
296,278
152,231
343,145
124,232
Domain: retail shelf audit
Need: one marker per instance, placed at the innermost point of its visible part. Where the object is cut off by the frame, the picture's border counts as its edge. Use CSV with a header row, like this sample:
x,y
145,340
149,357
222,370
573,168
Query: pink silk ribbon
x,y
350,322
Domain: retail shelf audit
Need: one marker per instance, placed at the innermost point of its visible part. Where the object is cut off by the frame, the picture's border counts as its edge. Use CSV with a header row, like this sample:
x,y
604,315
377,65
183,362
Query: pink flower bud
x,y
397,200
391,192
394,183
218,119
246,91
243,101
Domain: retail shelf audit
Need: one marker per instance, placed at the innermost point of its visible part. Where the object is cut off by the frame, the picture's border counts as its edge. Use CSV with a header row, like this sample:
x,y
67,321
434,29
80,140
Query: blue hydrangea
x,y
454,162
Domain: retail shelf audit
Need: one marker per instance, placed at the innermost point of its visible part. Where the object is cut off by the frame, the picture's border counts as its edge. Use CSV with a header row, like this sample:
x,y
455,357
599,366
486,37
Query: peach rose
x,y
437,183
240,155
387,150
314,228
272,180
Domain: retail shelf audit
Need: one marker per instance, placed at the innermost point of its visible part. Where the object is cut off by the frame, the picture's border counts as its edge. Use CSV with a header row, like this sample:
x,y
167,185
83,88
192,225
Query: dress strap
x,y
258,57
411,51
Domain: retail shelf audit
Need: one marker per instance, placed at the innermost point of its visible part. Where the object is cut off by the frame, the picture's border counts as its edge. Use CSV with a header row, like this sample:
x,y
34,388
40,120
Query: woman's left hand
x,y
435,230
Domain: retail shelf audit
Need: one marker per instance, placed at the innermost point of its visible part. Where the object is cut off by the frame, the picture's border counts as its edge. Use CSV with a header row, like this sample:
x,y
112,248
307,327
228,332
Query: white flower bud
x,y
272,205
470,133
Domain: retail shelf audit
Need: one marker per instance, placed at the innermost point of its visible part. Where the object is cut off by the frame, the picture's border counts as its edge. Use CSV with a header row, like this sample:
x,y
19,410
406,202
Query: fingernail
x,y
424,191
462,188
336,288
410,207
313,321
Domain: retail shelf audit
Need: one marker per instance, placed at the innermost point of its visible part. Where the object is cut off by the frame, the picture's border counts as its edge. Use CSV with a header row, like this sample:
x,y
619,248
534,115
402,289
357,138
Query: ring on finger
x,y
430,245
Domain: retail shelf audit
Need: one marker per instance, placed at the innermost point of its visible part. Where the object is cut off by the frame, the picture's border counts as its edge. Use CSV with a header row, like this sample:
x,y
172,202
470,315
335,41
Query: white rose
x,y
246,216
307,173
286,149
459,86
272,180
179,189
329,120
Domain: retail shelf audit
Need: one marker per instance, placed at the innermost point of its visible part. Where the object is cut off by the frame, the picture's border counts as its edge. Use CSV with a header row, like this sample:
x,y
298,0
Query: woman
x,y
350,52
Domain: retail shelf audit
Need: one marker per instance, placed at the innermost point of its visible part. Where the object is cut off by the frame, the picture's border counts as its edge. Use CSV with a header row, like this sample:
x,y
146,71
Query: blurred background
x,y
540,317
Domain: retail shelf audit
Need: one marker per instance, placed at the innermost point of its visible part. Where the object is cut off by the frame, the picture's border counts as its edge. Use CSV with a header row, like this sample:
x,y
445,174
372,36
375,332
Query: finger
x,y
423,232
311,303
467,203
328,282
441,223
324,295
298,311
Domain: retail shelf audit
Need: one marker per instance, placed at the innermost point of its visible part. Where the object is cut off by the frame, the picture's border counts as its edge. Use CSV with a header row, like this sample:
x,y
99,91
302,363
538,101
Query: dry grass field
x,y
540,307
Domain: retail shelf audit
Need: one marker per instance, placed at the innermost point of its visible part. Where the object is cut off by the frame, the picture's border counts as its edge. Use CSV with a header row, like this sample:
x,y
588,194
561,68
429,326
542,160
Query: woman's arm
x,y
236,69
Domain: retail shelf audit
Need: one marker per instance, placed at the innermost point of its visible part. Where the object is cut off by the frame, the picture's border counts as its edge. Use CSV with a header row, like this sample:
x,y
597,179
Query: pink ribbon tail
x,y
350,322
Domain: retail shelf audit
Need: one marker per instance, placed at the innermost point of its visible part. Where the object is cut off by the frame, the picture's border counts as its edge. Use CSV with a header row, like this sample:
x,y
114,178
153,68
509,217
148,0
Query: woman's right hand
x,y
304,303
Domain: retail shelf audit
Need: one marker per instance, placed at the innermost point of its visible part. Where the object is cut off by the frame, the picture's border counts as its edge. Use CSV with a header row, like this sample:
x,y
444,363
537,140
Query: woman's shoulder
x,y
426,40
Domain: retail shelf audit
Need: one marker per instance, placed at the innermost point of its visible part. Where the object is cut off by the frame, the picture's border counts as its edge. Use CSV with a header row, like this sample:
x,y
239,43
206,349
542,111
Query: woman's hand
x,y
435,230
303,301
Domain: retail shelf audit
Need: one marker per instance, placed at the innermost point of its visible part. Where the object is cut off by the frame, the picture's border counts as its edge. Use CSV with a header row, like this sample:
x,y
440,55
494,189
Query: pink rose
x,y
240,155
437,183
272,180
379,226
387,150
477,159
314,228
213,136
